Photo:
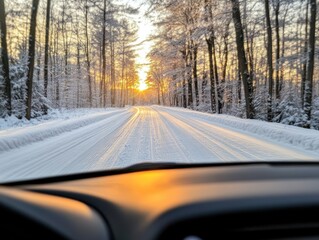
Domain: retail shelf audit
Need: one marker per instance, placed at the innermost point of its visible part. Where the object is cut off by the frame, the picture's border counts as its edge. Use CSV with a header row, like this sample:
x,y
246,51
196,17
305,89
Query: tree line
x,y
65,54
254,59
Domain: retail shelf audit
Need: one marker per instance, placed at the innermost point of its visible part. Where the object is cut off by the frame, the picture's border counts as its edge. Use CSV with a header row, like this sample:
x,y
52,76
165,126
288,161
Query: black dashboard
x,y
226,201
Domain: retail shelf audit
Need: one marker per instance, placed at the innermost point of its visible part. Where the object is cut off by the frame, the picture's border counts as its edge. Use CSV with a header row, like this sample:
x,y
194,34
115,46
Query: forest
x,y
255,59
65,54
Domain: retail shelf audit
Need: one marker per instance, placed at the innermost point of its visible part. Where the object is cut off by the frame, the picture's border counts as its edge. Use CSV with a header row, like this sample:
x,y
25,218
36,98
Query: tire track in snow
x,y
211,140
140,134
168,146
70,152
111,157
239,146
181,152
202,148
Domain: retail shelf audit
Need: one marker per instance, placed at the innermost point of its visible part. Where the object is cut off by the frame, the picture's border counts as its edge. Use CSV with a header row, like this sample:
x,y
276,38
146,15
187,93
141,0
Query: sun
x,y
142,86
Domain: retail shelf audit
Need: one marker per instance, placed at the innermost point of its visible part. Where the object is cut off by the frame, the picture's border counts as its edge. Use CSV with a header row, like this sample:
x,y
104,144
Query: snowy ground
x,y
121,137
53,114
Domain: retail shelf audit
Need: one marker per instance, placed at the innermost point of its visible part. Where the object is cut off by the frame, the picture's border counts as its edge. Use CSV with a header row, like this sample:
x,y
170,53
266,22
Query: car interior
x,y
160,201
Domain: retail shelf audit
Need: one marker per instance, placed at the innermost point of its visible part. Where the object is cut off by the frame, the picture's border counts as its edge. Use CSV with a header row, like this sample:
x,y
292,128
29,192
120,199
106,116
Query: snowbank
x,y
307,139
53,114
18,133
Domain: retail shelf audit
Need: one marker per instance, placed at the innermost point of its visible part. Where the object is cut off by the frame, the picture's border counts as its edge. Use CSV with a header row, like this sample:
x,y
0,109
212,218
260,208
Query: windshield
x,y
89,85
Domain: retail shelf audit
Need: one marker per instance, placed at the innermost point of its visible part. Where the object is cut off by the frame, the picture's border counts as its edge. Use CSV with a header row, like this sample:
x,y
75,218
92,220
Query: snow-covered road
x,y
124,137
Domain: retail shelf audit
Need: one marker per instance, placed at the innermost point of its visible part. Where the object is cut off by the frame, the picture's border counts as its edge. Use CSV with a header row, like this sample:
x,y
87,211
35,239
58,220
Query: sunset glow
x,y
144,44
142,86
142,74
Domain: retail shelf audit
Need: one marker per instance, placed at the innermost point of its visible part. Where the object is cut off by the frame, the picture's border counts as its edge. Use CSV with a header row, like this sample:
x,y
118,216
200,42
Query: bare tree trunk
x,y
249,42
311,59
195,76
5,57
189,79
269,61
158,94
184,94
88,61
246,78
112,70
210,40
55,69
46,50
100,74
113,85
184,98
79,74
104,54
31,54
122,80
66,57
217,87
304,68
277,9
211,75
175,101
238,87
162,94
225,64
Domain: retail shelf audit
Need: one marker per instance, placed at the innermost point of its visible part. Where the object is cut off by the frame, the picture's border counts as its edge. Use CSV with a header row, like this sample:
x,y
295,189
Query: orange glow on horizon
x,y
142,74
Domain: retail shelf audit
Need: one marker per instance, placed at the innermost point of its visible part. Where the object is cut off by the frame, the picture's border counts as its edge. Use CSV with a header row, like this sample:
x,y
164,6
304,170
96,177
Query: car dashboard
x,y
226,201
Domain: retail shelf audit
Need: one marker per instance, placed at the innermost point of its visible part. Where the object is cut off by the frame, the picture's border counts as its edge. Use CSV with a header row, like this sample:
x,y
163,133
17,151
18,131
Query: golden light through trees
x,y
143,43
142,74
101,53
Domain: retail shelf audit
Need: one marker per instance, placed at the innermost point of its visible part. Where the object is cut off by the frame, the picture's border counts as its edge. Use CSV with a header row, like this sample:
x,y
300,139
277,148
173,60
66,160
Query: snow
x,y
55,123
307,139
116,138
53,114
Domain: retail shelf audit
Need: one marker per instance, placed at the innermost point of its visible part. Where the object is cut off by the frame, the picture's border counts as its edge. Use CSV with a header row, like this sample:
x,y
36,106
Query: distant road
x,y
140,134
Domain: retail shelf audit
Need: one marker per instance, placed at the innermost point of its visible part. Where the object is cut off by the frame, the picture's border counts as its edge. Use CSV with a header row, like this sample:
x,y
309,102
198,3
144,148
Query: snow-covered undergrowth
x,y
18,132
307,139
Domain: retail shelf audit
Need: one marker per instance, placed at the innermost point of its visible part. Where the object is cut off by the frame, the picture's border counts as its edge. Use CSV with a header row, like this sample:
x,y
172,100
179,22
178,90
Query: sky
x,y
145,29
